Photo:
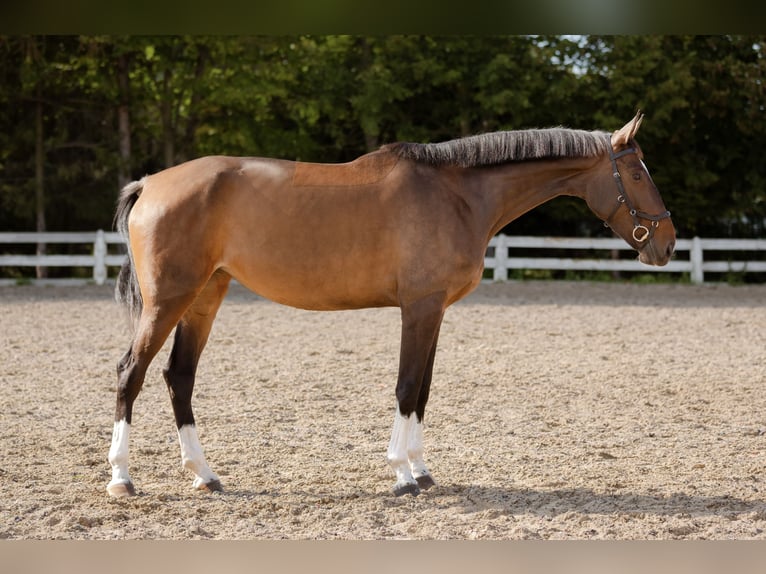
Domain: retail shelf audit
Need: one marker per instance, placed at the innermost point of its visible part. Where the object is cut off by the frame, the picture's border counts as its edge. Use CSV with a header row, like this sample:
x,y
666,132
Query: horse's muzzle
x,y
658,255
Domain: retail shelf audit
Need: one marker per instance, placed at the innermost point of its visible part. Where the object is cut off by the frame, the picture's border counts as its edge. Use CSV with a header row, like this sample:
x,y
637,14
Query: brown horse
x,y
407,226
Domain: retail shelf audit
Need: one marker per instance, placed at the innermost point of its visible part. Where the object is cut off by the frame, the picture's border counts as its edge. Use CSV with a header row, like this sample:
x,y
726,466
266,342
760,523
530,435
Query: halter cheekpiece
x,y
640,232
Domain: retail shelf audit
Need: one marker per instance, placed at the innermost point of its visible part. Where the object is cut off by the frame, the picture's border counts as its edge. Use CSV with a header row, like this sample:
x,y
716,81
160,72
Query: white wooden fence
x,y
501,255
98,259
502,260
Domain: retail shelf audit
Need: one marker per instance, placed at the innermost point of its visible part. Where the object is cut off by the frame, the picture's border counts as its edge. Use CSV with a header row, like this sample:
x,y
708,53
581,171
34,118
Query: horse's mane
x,y
506,146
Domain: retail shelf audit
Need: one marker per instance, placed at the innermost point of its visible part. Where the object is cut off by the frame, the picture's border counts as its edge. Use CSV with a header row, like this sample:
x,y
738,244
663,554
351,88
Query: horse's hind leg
x,y
190,337
154,326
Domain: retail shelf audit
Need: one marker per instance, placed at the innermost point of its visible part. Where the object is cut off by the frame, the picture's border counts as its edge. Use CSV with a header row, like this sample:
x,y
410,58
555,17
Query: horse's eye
x,y
636,176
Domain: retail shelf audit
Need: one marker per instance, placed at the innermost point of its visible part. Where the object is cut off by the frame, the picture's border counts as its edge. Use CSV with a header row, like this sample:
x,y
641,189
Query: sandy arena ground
x,y
558,410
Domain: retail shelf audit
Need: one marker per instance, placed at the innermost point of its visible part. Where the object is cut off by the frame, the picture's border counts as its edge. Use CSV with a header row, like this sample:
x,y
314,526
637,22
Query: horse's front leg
x,y
398,457
420,331
420,471
405,455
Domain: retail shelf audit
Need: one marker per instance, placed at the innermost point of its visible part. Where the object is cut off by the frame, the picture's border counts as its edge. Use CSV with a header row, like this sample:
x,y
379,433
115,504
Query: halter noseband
x,y
640,232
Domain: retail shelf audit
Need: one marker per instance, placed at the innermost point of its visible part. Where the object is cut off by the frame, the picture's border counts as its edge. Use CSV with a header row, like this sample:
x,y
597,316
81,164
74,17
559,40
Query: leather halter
x,y
640,232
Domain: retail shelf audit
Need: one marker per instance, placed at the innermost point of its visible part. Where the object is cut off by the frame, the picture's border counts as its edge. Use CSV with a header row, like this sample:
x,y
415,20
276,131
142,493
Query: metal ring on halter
x,y
642,238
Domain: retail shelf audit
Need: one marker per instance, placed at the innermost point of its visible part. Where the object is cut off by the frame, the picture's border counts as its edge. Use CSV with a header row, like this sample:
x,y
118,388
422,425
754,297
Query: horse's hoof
x,y
407,488
212,486
121,489
425,482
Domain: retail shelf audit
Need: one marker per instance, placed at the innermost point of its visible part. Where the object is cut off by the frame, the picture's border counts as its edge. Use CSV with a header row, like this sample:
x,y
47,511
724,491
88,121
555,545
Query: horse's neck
x,y
511,190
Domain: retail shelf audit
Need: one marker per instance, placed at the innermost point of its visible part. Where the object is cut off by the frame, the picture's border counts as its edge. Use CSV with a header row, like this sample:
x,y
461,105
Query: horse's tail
x,y
127,291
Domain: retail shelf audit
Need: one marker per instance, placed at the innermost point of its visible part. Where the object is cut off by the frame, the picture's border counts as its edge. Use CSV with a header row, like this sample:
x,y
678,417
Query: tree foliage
x,y
114,108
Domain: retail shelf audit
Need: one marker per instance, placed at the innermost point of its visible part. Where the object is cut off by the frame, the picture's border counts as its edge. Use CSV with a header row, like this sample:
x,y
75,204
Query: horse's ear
x,y
627,132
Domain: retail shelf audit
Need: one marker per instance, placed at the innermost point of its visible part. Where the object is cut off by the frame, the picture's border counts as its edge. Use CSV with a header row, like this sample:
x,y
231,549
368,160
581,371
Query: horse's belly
x,y
315,289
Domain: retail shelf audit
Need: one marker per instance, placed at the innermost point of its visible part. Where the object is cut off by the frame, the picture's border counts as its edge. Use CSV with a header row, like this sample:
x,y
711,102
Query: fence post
x,y
99,253
500,272
695,257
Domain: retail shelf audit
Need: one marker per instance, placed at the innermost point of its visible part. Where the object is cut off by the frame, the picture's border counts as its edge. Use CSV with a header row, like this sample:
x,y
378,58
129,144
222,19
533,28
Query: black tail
x,y
127,291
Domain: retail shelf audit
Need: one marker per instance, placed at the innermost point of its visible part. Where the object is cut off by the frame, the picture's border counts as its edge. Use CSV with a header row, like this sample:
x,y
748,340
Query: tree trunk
x,y
166,114
368,119
123,121
41,272
189,149
168,148
371,141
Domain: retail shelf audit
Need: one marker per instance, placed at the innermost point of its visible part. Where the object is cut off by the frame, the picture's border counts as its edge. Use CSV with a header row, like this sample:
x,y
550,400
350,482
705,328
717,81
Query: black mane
x,y
506,146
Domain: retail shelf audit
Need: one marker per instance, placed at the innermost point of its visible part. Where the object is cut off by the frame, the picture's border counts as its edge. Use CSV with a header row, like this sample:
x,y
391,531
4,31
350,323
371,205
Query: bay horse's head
x,y
628,201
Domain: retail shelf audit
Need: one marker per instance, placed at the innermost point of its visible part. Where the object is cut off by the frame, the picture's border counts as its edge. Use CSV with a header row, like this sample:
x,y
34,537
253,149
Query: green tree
x,y
705,121
80,116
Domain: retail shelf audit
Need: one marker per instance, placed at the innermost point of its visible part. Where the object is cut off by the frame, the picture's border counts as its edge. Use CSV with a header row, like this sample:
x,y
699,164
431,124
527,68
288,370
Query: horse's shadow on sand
x,y
542,503
547,503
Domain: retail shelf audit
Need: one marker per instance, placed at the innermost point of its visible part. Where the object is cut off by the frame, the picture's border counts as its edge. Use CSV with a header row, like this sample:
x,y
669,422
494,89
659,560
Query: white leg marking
x,y
192,456
397,450
118,454
415,449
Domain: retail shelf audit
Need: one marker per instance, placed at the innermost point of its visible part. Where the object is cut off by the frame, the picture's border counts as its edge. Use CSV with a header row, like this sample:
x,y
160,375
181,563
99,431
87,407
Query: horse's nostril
x,y
671,248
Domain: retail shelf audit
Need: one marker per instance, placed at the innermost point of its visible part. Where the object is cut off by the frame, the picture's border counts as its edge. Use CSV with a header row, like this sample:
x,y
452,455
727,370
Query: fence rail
x,y
500,258
99,259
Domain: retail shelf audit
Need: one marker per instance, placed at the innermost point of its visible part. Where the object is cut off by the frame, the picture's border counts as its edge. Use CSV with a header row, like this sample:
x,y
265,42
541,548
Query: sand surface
x,y
558,411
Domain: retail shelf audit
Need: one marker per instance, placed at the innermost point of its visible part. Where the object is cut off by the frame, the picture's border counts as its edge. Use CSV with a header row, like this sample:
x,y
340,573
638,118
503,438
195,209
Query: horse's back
x,y
196,176
368,169
190,180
